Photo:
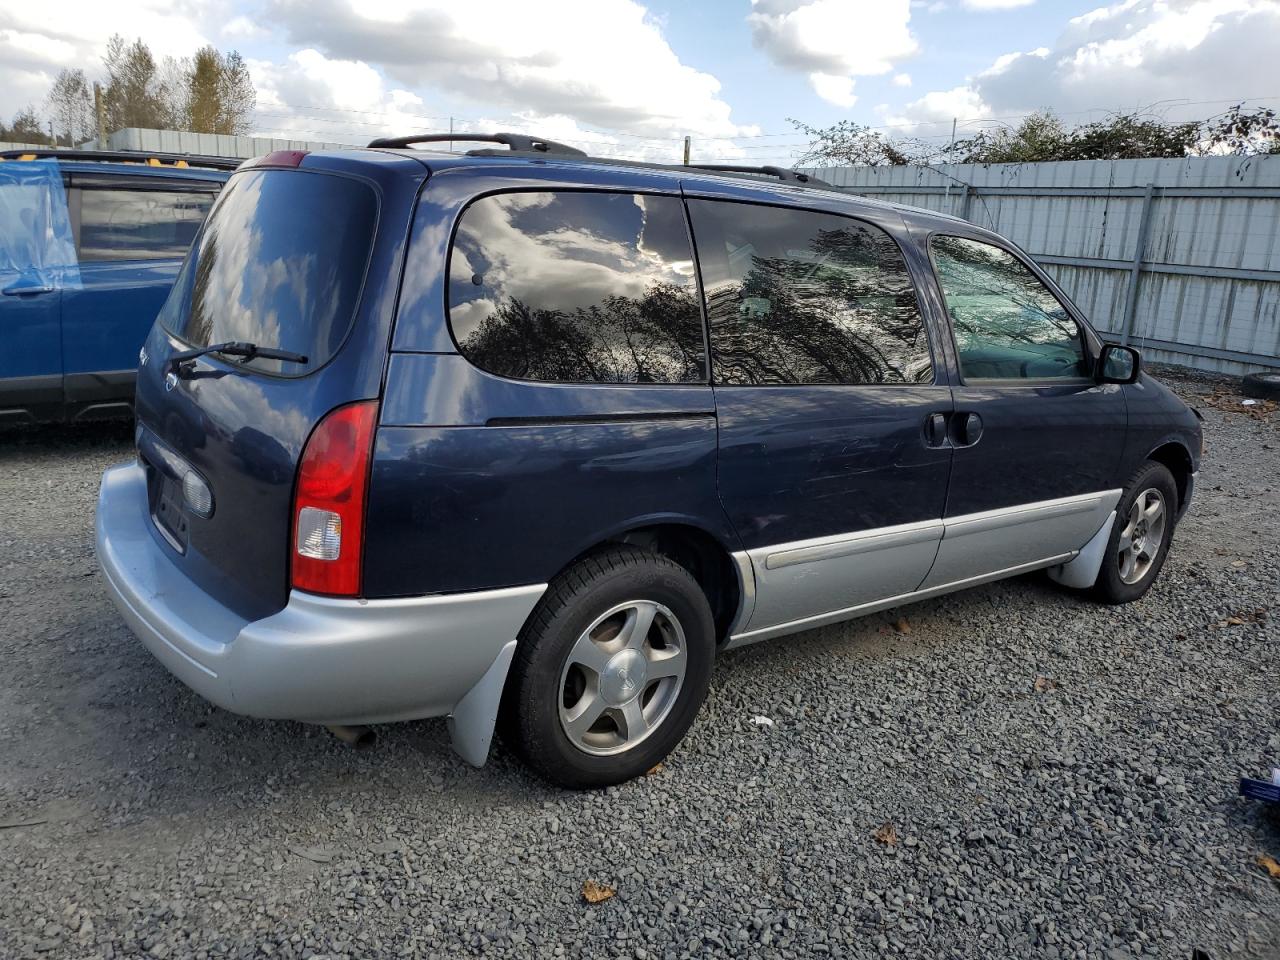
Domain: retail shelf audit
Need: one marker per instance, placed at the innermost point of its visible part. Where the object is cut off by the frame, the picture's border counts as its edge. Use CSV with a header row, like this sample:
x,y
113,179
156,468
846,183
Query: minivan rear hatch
x,y
300,258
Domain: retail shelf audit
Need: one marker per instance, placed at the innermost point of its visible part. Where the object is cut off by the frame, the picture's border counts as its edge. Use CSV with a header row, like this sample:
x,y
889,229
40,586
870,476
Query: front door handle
x,y
935,430
25,290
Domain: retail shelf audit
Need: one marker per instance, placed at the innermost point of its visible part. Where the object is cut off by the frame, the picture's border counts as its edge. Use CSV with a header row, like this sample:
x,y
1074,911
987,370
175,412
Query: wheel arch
x,y
1174,455
726,584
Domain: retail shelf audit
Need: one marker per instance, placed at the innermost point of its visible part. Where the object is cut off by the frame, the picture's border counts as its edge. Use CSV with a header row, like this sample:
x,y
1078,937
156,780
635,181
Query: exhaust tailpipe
x,y
361,738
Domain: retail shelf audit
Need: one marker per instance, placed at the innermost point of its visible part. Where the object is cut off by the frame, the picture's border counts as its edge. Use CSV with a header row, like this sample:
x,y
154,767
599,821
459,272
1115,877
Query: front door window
x,y
1008,324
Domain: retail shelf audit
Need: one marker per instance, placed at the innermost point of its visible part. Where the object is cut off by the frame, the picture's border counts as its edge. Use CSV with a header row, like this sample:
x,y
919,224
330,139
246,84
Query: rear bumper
x,y
320,659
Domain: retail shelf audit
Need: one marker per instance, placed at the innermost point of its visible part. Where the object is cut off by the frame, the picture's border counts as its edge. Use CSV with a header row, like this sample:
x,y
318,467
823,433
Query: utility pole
x,y
687,143
101,109
953,135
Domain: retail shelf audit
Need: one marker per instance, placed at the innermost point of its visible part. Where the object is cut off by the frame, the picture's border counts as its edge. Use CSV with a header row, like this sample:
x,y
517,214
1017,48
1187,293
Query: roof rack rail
x,y
793,176
518,142
148,157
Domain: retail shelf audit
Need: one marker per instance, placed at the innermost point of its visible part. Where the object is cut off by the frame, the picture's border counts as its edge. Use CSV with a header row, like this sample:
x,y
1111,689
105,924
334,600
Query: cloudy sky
x,y
630,79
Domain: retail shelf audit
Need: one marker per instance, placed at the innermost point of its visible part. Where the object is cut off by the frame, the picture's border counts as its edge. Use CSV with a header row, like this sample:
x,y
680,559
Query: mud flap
x,y
1082,571
472,721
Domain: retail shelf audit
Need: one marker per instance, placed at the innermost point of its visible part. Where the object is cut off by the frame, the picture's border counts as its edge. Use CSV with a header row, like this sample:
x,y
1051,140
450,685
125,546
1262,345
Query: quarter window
x,y
1008,325
800,297
577,287
140,224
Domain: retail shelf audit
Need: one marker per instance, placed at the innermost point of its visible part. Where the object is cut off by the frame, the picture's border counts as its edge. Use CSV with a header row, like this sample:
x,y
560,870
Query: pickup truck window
x,y
140,224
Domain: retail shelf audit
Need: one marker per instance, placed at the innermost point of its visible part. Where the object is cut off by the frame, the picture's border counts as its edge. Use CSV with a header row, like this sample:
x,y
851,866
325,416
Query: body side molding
x,y
870,570
849,613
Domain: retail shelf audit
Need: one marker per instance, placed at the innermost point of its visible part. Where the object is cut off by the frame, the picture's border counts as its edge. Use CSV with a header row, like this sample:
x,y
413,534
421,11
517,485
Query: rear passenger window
x,y
140,224
577,287
1008,325
800,297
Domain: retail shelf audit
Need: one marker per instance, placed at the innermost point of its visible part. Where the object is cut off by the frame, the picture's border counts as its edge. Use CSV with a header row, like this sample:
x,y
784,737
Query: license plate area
x,y
167,511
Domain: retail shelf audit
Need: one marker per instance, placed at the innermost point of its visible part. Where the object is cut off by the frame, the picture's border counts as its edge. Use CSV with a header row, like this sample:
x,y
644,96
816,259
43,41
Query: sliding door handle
x,y
935,430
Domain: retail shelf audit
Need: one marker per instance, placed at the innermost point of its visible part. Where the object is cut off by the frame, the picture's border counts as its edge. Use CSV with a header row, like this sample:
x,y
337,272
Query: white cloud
x,y
1185,58
833,41
603,62
349,72
902,79
35,44
996,4
834,89
937,108
242,28
312,97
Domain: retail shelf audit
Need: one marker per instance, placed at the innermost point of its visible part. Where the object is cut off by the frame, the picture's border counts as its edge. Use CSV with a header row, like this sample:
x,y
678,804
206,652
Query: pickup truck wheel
x,y
610,670
1140,536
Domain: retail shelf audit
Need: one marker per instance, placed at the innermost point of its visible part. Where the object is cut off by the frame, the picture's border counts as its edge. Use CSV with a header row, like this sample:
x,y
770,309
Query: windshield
x,y
280,263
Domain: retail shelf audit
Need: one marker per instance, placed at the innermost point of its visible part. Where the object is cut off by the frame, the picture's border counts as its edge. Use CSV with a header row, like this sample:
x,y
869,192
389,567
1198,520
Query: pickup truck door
x,y
131,238
37,257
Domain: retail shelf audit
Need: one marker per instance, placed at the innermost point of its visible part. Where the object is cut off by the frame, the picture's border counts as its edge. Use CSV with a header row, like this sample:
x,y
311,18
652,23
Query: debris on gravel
x,y
1058,777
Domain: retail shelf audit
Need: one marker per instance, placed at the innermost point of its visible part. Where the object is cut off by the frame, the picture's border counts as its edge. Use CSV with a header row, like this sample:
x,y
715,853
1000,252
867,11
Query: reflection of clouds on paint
x,y
242,400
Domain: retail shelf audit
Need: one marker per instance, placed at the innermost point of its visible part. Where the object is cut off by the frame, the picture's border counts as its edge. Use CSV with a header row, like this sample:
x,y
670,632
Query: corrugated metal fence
x,y
1180,257
207,144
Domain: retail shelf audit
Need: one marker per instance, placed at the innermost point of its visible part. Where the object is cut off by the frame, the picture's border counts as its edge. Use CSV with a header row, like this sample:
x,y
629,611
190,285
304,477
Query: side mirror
x,y
1118,364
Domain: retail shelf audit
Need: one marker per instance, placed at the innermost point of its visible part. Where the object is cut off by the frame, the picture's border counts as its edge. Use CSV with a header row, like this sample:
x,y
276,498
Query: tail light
x,y
328,503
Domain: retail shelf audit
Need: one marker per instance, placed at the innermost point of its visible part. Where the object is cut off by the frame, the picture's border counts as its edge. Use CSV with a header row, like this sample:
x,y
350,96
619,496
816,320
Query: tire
x,y
1261,386
1127,576
585,652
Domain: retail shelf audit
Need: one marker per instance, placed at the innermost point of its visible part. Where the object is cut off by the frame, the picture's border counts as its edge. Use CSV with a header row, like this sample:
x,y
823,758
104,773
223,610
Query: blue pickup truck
x,y
90,243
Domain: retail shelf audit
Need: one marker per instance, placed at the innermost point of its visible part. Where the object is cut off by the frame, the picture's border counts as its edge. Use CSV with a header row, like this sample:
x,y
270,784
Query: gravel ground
x,y
1090,814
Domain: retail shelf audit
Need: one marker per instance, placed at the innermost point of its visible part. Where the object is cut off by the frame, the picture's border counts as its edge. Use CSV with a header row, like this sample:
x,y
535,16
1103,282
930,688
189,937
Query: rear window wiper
x,y
233,348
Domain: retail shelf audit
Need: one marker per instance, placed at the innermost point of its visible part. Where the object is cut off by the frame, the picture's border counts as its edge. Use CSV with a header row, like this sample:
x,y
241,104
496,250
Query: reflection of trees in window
x,y
992,296
654,339
577,287
843,310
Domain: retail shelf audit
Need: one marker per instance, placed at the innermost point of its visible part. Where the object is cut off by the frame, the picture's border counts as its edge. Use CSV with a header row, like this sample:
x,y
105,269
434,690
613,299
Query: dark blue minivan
x,y
90,243
524,438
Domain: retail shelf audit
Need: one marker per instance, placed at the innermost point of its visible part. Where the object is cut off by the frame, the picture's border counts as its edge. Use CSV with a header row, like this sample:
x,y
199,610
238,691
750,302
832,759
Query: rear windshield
x,y
280,263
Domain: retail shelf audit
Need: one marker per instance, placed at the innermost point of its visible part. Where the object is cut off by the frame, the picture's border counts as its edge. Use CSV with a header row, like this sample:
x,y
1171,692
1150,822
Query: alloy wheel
x,y
622,677
1142,536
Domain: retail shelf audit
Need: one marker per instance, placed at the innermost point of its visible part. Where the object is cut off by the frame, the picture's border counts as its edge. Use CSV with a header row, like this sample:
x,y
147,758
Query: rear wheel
x,y
1140,536
611,669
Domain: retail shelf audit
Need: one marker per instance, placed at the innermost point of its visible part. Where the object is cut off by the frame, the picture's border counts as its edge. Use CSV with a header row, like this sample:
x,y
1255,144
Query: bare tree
x,y
173,87
70,108
237,94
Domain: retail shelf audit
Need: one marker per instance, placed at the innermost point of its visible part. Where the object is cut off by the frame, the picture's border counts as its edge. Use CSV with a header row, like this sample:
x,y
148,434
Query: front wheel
x,y
611,669
1140,536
